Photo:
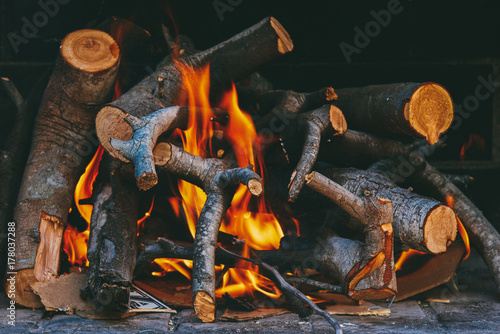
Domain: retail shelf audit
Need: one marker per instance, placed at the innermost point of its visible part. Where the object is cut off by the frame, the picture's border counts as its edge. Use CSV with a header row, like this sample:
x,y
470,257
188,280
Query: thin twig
x,y
317,284
285,286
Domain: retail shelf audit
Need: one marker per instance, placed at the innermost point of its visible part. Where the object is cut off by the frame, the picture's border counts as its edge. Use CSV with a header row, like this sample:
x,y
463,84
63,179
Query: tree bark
x,y
219,181
82,81
416,109
233,59
420,223
112,246
370,274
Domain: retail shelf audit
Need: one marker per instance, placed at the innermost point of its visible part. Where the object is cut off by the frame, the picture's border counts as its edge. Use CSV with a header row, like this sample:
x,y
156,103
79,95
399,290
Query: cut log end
x,y
90,51
440,229
204,306
147,181
162,153
430,111
255,187
110,123
285,43
337,120
112,298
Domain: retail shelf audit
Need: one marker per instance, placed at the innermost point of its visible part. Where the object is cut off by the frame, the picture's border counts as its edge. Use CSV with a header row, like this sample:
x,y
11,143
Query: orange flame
x,y
450,201
260,230
140,222
405,256
75,242
84,186
75,246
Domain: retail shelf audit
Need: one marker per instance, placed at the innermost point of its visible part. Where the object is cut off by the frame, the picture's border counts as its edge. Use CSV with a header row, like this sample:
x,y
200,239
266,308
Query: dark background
x,y
449,42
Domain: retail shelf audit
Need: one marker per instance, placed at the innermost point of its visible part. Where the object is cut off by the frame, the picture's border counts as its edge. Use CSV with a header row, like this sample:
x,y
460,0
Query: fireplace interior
x,y
336,44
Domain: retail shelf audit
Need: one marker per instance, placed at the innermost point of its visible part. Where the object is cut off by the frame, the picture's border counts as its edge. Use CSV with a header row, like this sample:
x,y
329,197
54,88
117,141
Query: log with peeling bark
x,y
484,237
420,223
112,245
370,274
82,81
416,109
233,59
219,180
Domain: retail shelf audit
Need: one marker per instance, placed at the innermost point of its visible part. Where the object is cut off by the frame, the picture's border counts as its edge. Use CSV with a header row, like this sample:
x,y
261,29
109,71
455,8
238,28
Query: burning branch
x,y
233,59
112,245
169,249
219,181
282,103
293,295
139,149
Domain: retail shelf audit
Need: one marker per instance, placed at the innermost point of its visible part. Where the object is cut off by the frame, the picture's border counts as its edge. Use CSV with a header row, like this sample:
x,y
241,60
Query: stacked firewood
x,y
317,133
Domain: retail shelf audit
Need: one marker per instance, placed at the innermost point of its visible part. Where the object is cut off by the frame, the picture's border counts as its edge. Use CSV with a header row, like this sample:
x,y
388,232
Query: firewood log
x,y
82,81
280,104
484,237
370,274
112,245
233,59
218,179
412,212
420,222
416,109
359,149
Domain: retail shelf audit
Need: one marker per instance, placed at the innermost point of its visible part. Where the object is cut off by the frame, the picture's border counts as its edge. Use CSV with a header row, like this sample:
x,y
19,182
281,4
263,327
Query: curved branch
x,y
219,181
314,124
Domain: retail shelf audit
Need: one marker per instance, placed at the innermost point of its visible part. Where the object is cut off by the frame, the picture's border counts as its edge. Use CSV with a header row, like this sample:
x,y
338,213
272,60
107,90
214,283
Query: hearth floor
x,y
474,309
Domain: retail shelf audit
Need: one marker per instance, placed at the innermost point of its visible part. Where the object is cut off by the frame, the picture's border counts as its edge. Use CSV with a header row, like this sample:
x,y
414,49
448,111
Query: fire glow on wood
x,y
260,230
